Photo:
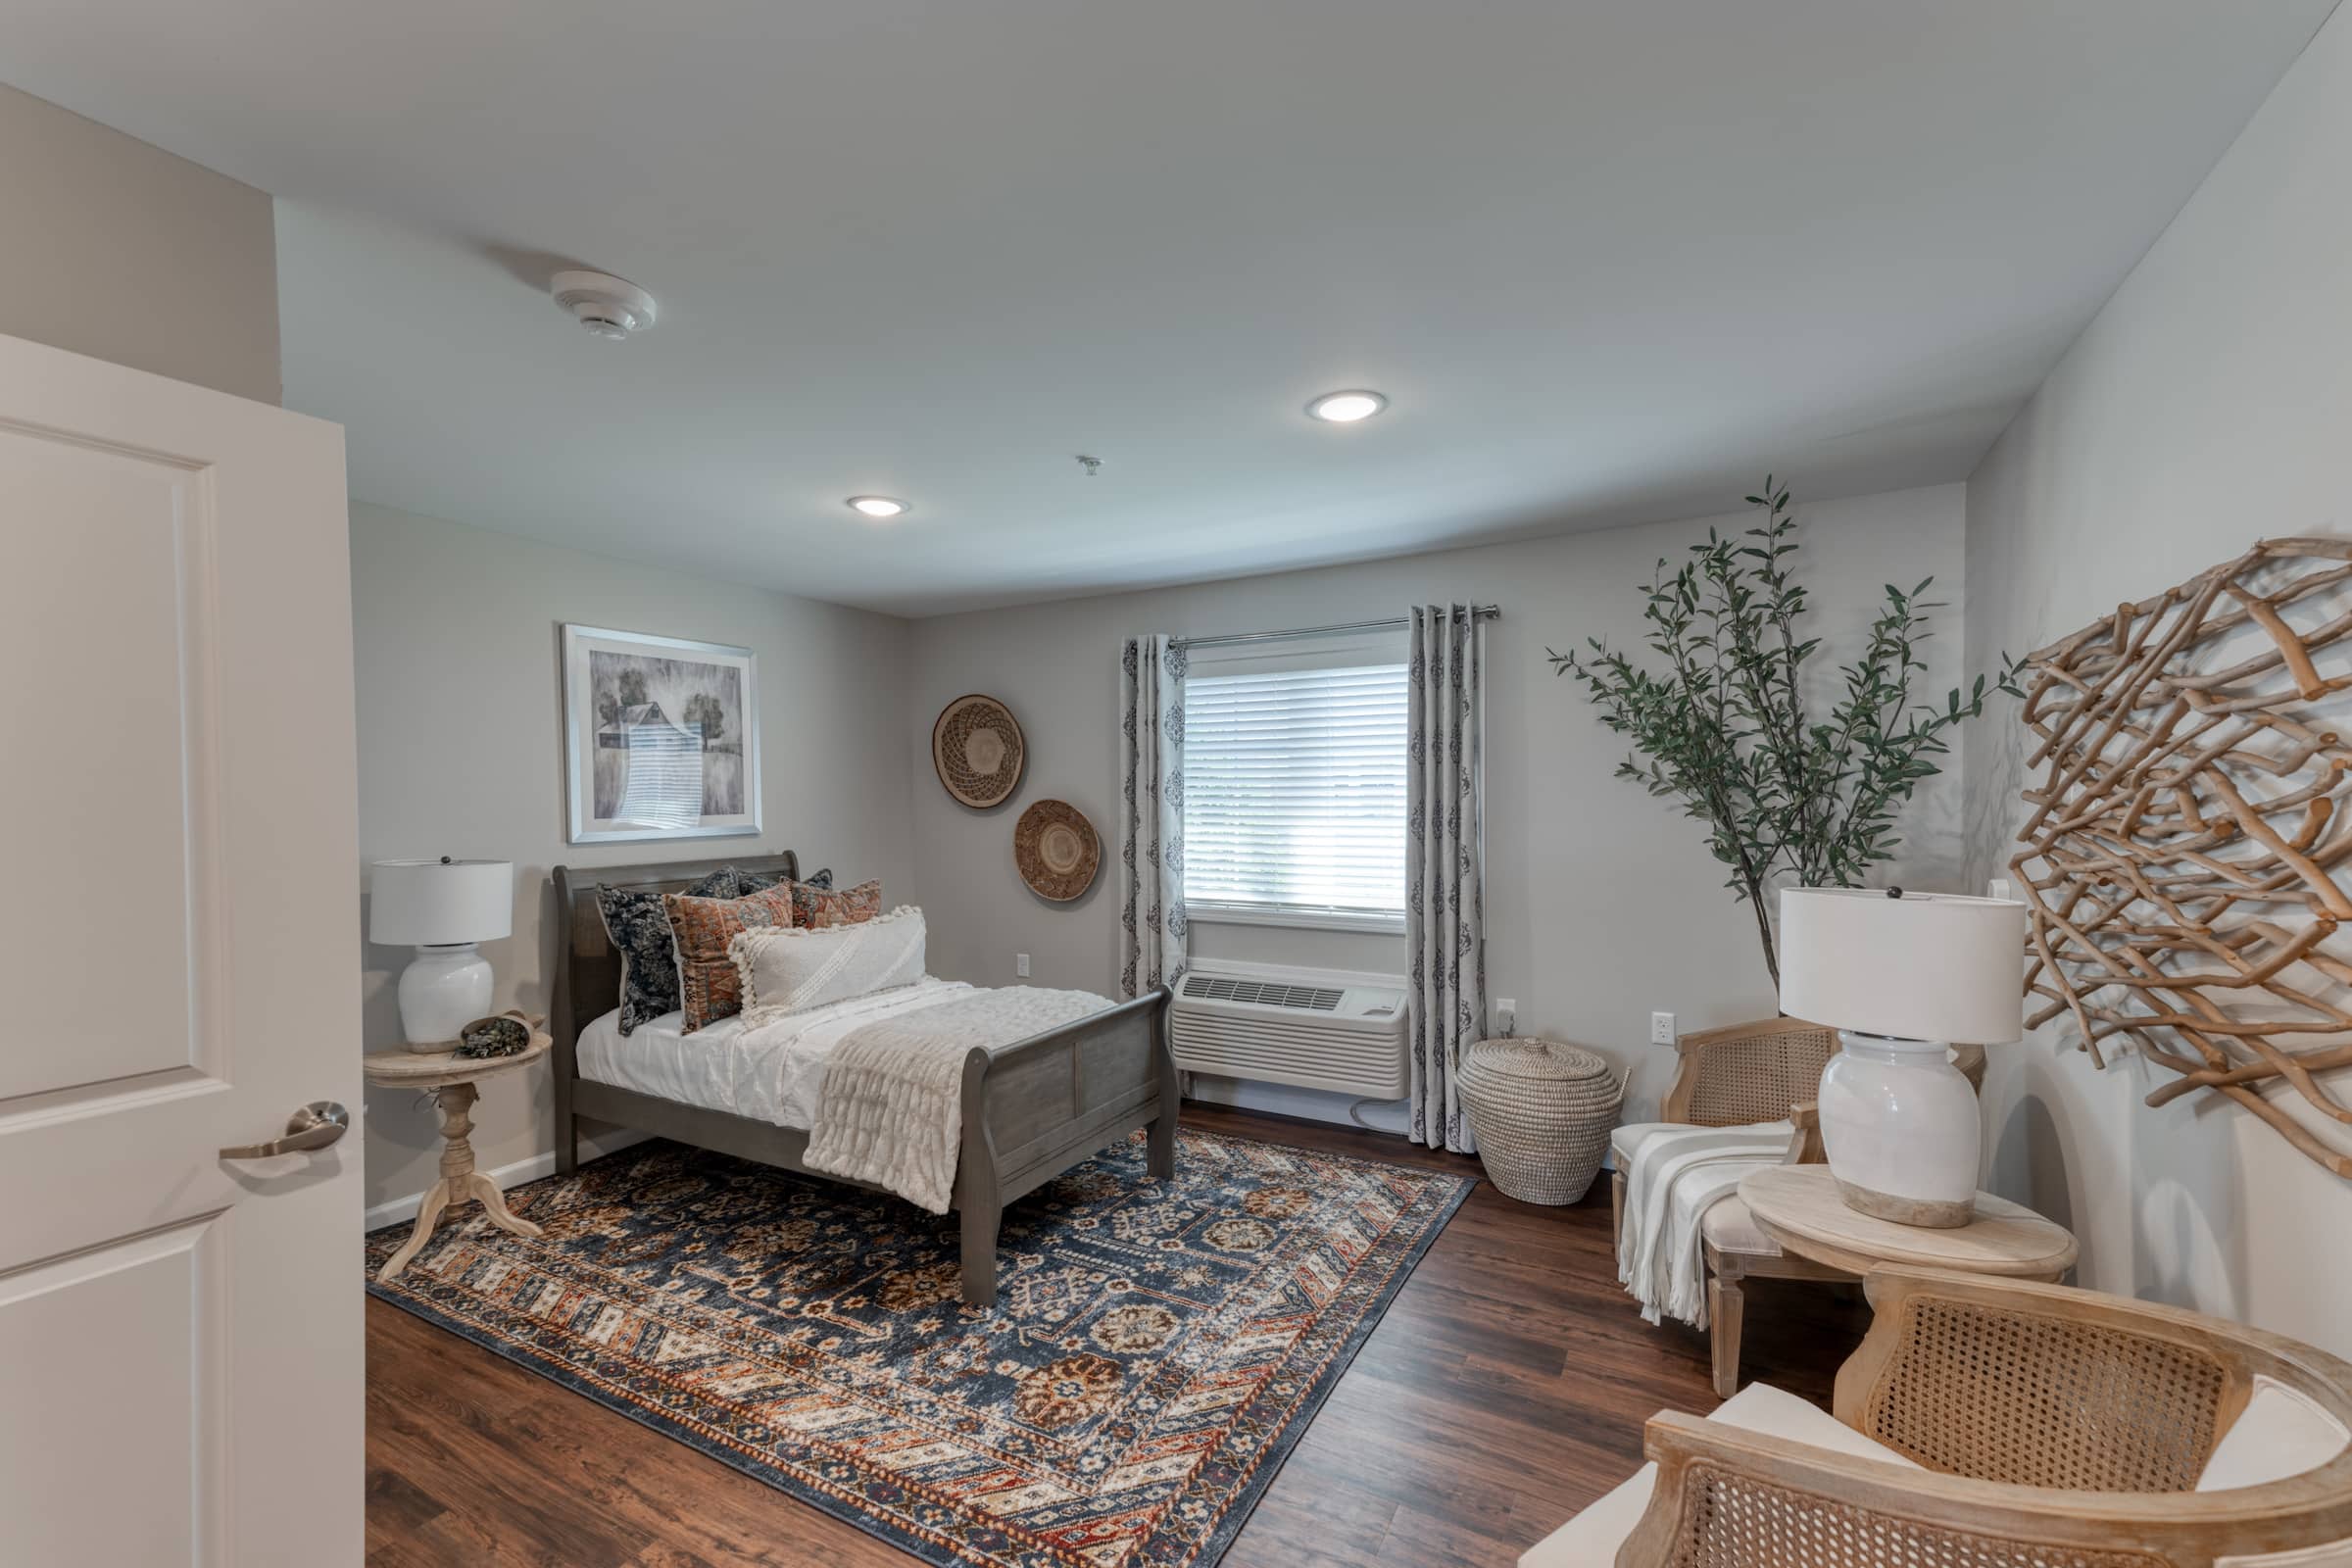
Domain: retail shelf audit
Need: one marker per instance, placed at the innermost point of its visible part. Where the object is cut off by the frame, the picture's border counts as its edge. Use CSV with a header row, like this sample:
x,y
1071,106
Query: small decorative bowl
x,y
502,1036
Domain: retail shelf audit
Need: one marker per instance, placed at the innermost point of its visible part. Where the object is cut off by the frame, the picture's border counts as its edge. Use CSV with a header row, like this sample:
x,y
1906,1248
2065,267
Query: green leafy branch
x,y
1724,728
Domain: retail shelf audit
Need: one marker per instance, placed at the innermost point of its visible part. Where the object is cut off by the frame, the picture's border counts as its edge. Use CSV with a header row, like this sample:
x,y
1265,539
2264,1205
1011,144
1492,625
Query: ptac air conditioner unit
x,y
1341,1032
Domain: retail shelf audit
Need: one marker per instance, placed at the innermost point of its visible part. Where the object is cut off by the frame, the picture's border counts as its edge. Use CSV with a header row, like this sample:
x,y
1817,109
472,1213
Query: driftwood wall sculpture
x,y
2188,829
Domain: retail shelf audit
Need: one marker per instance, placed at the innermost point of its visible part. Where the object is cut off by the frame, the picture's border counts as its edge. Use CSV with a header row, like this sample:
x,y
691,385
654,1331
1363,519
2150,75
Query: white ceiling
x,y
1610,258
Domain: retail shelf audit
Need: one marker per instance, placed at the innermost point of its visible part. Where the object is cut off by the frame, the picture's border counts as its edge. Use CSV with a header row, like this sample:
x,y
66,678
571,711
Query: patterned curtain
x,y
1444,921
1151,814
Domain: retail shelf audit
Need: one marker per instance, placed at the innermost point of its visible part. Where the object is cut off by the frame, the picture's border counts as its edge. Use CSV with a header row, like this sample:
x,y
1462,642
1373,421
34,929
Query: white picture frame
x,y
638,763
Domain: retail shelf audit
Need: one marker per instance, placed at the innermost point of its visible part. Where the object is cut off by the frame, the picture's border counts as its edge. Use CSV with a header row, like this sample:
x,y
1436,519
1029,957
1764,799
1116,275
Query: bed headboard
x,y
587,969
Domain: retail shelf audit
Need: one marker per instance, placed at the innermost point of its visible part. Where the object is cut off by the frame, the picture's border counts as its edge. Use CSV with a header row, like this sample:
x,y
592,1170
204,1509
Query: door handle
x,y
315,1126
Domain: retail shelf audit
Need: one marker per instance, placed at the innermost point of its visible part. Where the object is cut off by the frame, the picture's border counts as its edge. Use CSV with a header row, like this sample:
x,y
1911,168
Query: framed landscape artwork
x,y
660,737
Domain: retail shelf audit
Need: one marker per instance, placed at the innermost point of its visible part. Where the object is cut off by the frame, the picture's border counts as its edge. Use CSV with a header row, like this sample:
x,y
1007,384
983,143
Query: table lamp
x,y
442,909
1902,976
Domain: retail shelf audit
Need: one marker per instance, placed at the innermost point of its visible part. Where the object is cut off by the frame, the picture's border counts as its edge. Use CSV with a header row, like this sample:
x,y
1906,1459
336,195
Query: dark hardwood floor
x,y
1506,1388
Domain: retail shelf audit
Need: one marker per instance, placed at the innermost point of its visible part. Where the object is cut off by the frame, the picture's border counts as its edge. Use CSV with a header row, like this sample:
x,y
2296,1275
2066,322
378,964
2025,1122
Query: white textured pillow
x,y
792,970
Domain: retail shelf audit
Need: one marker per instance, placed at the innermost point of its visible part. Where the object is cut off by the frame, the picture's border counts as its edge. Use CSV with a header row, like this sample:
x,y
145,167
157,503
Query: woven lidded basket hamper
x,y
1542,1113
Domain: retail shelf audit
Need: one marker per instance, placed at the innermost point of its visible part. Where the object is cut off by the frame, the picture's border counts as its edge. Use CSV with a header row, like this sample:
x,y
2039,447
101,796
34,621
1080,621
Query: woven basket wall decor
x,y
977,750
2186,855
1055,849
1541,1111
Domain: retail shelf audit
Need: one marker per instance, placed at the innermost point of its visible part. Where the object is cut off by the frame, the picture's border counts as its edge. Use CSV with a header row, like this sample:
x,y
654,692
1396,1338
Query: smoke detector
x,y
606,305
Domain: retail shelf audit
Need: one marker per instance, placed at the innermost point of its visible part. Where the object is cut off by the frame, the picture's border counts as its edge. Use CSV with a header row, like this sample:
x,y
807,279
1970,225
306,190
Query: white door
x,y
181,1354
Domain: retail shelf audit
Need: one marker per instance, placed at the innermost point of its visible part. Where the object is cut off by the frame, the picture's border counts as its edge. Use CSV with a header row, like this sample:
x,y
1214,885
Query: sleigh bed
x,y
1031,1110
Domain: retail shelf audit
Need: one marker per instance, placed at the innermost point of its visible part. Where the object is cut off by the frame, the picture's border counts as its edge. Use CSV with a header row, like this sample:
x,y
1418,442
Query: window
x,y
1294,783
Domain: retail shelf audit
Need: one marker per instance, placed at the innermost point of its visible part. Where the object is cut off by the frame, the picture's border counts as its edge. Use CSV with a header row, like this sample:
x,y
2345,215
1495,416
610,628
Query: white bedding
x,y
892,1111
771,1073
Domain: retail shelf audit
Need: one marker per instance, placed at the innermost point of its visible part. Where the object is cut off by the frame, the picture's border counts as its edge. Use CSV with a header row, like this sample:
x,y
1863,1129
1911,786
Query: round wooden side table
x,y
454,1082
1798,1206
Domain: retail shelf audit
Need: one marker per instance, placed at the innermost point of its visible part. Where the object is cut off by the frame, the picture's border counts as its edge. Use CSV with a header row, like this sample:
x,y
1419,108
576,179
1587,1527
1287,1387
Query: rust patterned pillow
x,y
708,987
815,907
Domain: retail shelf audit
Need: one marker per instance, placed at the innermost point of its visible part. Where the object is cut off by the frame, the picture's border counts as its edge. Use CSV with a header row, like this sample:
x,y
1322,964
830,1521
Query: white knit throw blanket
x,y
891,1112
1675,1177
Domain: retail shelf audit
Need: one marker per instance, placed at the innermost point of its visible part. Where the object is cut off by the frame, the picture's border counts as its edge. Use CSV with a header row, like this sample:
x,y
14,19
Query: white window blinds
x,y
1293,791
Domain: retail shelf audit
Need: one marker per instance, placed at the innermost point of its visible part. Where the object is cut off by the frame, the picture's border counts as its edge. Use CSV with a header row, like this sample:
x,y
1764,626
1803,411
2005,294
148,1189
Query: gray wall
x,y
1601,902
2208,404
123,251
461,753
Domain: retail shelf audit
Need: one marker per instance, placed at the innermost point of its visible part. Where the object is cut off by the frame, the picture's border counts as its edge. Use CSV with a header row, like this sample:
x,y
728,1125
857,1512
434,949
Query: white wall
x,y
2207,406
113,248
1601,902
461,753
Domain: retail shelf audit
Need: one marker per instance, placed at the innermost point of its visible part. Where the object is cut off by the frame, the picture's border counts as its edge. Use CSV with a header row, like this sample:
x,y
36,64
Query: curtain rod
x,y
1479,611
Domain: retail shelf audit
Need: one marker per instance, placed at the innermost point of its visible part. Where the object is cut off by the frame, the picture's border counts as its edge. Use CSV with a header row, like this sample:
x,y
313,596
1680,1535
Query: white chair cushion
x,y
1590,1540
1626,1140
1730,1227
2334,1554
2278,1433
1761,1407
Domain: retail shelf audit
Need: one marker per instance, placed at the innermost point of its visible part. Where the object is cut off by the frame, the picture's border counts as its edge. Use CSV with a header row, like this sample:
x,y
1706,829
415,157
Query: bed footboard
x,y
1035,1109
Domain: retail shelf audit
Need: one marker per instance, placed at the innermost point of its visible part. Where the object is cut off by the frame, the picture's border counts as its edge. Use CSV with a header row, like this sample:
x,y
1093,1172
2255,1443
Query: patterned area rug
x,y
1156,1348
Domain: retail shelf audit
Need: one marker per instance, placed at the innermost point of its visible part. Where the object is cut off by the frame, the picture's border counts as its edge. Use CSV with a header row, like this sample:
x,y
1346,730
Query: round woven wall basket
x,y
1542,1113
1056,851
977,749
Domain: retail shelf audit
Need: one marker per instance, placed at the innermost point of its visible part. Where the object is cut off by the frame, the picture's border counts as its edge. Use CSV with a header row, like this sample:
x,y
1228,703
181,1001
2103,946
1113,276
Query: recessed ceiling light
x,y
878,507
1346,407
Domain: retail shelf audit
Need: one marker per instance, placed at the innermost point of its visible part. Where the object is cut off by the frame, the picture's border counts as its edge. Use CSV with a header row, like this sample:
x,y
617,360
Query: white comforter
x,y
772,1073
885,1111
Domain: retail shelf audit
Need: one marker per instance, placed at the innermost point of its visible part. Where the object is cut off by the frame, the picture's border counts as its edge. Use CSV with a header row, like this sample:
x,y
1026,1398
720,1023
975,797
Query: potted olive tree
x,y
1723,726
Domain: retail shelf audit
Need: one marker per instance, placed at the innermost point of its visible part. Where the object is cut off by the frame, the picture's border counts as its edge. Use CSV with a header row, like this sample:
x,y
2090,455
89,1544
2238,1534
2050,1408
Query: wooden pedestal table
x,y
1798,1206
454,1082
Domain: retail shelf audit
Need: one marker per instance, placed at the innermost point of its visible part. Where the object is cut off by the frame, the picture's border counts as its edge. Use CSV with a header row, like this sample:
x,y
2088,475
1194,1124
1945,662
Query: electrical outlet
x,y
1020,965
1661,1029
1506,1015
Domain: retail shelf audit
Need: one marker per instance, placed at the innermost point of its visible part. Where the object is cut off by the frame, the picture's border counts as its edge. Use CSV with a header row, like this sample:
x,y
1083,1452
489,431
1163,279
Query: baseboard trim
x,y
401,1209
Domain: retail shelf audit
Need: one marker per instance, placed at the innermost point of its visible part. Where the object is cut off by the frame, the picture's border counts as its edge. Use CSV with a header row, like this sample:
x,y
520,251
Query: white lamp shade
x,y
1922,967
432,903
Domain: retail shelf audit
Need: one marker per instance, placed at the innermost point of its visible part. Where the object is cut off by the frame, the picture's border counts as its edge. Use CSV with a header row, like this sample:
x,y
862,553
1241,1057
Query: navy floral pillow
x,y
751,882
648,948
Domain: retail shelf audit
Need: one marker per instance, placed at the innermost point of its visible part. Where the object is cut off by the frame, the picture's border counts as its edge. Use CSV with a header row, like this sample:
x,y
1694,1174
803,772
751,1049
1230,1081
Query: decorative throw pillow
x,y
709,988
761,881
792,970
815,907
649,955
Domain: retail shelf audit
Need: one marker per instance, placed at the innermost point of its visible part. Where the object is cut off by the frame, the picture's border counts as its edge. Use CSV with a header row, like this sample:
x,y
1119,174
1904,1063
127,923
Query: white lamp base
x,y
442,990
1900,1126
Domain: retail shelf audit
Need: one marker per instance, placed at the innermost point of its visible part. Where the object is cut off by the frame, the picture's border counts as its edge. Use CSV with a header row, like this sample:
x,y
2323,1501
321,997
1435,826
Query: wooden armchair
x,y
1767,1070
2052,1426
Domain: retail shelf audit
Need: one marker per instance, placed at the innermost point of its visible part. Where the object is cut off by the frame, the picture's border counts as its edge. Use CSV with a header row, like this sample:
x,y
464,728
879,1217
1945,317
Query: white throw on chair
x,y
1761,1076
